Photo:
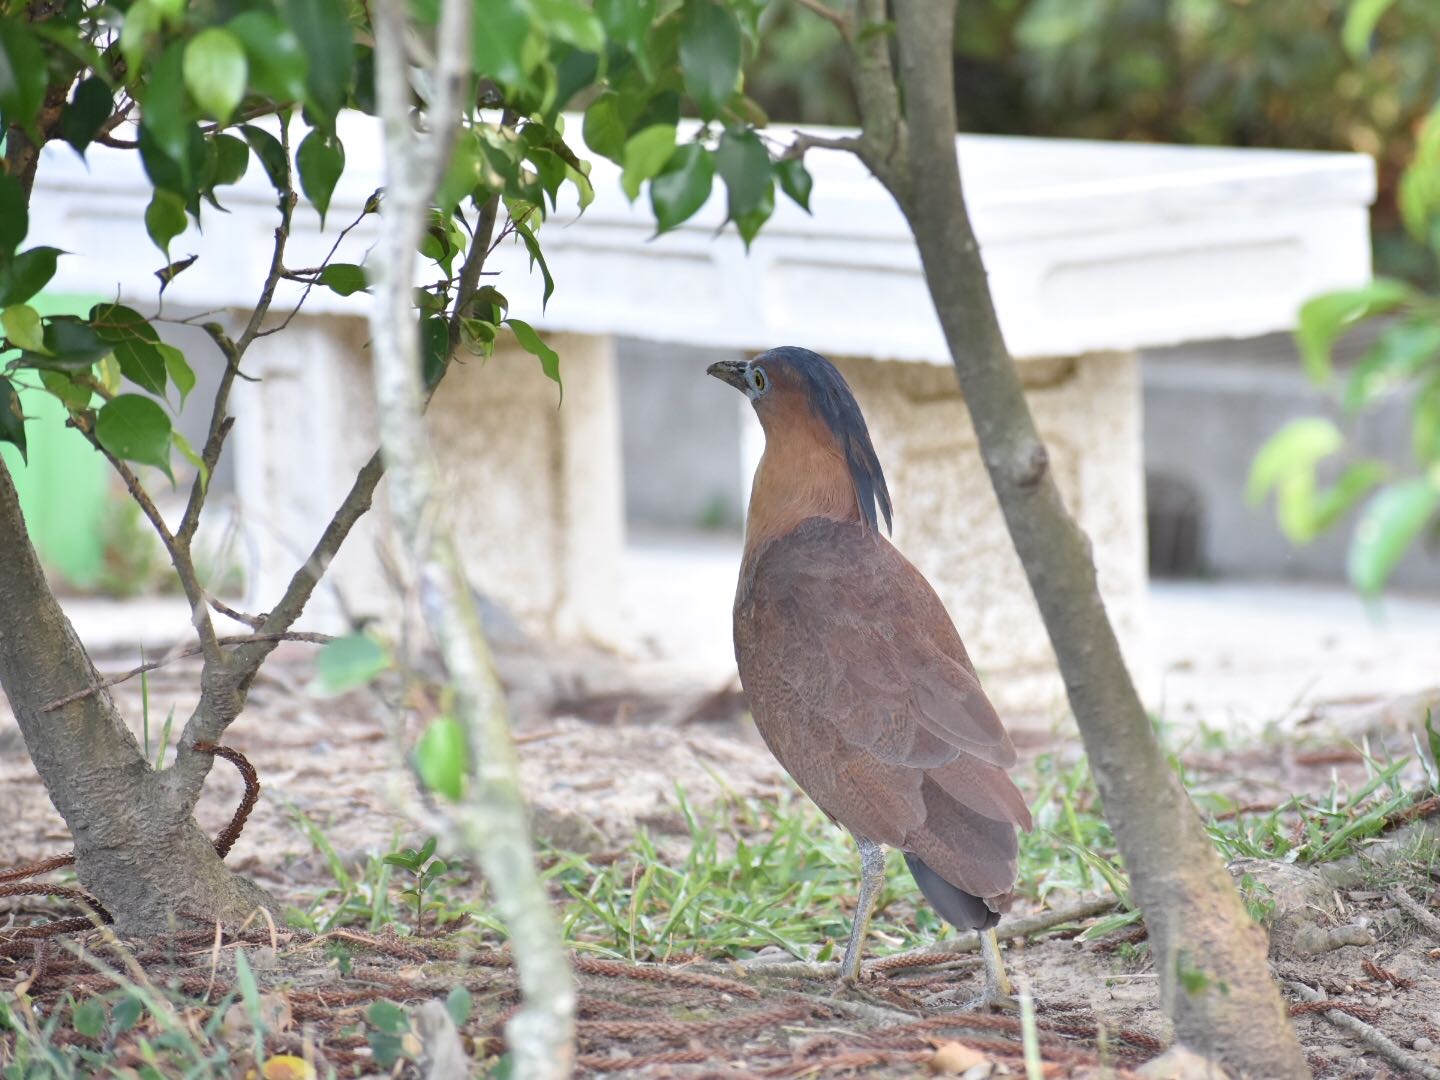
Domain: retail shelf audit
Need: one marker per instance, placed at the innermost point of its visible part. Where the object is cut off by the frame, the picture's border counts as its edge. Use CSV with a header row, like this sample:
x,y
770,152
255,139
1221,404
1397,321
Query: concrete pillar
x,y
534,489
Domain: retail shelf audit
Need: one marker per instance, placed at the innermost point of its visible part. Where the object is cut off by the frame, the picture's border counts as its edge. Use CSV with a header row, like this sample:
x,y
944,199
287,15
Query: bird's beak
x,y
730,371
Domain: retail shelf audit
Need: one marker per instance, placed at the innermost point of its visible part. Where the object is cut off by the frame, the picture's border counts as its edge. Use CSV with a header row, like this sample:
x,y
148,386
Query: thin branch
x,y
189,651
470,270
880,114
252,621
234,352
371,204
835,18
179,552
805,141
1425,918
1408,1064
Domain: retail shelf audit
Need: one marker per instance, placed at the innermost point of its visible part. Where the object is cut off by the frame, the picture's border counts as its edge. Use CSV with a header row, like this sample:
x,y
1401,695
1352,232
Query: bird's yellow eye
x,y
759,377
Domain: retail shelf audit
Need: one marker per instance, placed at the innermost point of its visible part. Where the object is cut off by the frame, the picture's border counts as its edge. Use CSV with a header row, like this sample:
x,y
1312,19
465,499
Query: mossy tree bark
x,y
1215,980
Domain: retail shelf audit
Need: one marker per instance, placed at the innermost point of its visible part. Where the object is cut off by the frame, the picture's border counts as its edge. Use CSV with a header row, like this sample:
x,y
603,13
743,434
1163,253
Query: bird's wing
x,y
860,685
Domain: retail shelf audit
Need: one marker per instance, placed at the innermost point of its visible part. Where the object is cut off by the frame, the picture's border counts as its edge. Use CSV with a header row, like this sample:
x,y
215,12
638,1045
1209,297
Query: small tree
x,y
198,92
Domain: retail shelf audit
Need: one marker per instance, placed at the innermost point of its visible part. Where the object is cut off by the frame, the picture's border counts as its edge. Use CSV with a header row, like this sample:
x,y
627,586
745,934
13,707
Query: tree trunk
x,y
136,850
491,825
1215,980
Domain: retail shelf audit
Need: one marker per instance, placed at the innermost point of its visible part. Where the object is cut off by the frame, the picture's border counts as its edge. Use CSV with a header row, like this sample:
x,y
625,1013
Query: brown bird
x,y
855,675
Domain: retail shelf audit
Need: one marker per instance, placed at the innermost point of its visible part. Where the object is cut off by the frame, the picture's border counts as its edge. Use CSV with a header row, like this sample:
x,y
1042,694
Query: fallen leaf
x,y
953,1058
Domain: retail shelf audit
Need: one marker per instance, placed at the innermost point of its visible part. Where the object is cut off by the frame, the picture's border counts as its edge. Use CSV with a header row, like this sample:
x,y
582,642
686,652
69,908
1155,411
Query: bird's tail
x,y
957,907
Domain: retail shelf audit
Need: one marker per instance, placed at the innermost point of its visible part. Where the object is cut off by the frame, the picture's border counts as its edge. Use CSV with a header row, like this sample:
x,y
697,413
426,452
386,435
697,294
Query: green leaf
x,y
135,428
216,71
89,108
1402,351
570,22
459,1004
27,274
88,1018
14,214
232,159
530,341
116,322
441,757
709,54
277,62
745,165
1286,465
327,40
347,663
532,245
1387,527
22,327
645,154
12,419
1354,483
604,127
683,186
434,349
271,153
500,36
142,364
343,278
23,72
66,391
388,1017
1325,318
1425,421
1360,22
178,369
162,109
795,181
321,160
189,453
72,342
627,21
143,21
165,218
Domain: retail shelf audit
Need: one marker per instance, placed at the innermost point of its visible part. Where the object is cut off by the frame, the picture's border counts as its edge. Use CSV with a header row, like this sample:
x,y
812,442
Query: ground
x,y
671,837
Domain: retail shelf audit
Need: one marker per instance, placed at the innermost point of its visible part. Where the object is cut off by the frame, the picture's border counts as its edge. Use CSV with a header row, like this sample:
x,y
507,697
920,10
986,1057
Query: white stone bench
x,y
1094,251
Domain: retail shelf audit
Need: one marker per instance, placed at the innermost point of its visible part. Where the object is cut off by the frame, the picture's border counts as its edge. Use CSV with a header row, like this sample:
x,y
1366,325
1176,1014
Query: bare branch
x,y
491,825
252,621
189,651
1408,1064
480,248
234,352
179,551
804,141
311,276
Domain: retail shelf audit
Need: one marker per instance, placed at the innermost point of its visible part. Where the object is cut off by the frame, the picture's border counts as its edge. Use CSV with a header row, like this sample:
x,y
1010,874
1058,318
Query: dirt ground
x,y
602,759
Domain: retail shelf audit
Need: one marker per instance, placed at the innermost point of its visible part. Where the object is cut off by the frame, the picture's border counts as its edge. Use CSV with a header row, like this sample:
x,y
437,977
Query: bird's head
x,y
791,388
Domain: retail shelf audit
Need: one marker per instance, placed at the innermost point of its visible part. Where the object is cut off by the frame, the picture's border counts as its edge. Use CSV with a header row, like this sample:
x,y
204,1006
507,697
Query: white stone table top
x,y
1090,246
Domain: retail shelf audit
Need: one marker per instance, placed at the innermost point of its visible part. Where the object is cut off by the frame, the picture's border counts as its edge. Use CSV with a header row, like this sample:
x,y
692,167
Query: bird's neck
x,y
801,475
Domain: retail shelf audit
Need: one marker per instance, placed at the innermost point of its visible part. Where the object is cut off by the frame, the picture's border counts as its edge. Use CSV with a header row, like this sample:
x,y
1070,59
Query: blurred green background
x,y
1304,74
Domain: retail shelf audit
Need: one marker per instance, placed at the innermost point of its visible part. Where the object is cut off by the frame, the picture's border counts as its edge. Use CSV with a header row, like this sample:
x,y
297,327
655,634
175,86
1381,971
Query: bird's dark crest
x,y
832,400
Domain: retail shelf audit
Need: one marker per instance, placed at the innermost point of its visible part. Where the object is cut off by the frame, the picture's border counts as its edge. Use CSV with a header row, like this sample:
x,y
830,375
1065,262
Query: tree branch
x,y
491,825
835,18
179,551
193,650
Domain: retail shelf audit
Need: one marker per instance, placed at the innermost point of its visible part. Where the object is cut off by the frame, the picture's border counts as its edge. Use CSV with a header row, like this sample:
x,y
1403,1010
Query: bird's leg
x,y
872,877
998,993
